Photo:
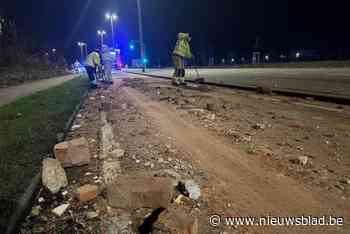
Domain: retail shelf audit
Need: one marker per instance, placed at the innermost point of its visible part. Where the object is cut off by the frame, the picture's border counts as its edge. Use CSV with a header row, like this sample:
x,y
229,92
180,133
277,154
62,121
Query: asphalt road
x,y
333,82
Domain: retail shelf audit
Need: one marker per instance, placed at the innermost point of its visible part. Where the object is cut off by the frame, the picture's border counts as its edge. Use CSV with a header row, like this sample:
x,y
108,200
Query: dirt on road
x,y
252,148
250,155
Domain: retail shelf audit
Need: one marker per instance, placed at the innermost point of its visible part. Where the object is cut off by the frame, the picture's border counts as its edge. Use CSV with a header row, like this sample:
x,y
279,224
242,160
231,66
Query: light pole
x,y
86,49
112,17
81,45
101,33
142,45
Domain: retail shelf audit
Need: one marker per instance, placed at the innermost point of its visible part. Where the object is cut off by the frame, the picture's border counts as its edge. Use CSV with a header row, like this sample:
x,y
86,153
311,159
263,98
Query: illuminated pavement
x,y
10,94
333,82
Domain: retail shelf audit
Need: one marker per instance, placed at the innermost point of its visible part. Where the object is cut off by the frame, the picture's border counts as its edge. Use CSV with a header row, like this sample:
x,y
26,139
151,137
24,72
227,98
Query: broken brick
x,y
87,193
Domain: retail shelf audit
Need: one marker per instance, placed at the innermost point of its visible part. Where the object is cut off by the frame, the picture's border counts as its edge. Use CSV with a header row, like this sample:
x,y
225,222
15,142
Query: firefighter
x,y
181,52
93,60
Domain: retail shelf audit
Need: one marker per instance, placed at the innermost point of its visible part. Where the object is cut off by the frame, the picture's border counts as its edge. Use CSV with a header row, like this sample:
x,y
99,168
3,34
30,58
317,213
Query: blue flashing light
x,y
132,47
145,61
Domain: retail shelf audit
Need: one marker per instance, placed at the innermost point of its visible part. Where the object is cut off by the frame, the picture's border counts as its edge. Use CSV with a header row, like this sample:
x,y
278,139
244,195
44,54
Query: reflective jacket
x,y
182,47
93,59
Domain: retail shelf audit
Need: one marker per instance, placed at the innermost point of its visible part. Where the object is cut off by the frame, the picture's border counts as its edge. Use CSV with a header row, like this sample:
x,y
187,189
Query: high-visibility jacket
x,y
182,47
93,59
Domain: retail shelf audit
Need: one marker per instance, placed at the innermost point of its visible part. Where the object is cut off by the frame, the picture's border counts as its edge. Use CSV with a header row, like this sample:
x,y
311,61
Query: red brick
x,y
87,193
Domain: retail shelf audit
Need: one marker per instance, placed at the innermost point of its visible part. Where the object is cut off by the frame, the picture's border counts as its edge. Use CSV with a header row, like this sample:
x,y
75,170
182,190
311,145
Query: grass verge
x,y
28,129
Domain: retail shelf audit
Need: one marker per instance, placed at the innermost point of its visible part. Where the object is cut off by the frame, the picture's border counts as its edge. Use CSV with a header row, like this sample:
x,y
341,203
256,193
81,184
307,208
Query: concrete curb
x,y
27,200
285,92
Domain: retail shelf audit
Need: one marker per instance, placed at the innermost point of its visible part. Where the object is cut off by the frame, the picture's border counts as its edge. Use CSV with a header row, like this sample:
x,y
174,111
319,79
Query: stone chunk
x,y
73,153
59,211
176,221
140,192
53,175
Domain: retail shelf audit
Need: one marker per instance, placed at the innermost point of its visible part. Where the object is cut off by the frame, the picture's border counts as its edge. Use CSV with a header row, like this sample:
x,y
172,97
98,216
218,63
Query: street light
x,y
101,33
81,45
142,45
112,18
267,58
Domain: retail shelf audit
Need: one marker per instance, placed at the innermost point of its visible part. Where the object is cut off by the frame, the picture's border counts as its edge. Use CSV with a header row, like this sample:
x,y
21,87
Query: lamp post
x,y
86,49
81,45
142,45
112,18
101,33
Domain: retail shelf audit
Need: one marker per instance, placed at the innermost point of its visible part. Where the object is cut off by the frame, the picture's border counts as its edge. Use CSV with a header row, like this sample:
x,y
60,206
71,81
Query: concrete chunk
x,y
176,221
73,153
59,211
53,175
140,192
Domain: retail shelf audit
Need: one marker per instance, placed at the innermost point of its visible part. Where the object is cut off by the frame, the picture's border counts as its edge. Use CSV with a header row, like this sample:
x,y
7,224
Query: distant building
x,y
257,52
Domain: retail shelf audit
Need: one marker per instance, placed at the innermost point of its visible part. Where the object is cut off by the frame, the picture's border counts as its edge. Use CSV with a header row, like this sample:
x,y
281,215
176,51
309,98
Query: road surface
x,y
10,94
333,82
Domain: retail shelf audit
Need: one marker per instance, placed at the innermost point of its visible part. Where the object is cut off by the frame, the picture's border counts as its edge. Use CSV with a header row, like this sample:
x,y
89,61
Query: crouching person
x,y
93,60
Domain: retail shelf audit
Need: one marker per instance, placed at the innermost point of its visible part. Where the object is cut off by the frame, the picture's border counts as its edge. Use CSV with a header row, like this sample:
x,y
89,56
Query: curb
x,y
284,92
26,202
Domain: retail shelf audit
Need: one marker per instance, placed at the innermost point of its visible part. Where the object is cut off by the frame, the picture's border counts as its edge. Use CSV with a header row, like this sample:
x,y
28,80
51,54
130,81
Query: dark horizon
x,y
218,28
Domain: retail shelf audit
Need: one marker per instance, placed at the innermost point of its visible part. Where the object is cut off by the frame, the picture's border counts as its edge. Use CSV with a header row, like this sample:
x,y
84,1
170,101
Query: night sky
x,y
218,27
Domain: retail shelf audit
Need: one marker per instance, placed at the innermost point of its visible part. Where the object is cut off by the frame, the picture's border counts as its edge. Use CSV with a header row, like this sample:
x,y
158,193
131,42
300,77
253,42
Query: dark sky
x,y
218,27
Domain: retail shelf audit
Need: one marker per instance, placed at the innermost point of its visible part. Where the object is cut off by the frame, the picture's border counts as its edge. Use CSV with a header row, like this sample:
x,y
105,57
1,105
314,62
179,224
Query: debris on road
x,y
193,189
73,153
259,126
140,192
91,215
302,160
175,220
59,211
140,168
87,193
53,175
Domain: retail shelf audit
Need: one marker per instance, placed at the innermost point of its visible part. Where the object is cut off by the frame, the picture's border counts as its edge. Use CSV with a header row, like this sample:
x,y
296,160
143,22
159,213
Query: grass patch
x,y
28,129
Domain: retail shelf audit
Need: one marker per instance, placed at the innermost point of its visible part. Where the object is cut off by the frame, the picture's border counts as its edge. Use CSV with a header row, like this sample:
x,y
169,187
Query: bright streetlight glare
x,y
111,17
101,32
